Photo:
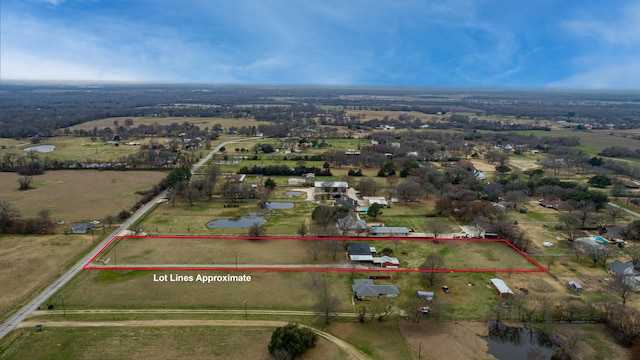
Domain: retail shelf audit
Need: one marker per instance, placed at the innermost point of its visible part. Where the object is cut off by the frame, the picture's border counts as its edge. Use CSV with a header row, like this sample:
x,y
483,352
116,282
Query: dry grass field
x,y
74,195
200,122
193,342
138,290
158,252
31,262
214,251
377,339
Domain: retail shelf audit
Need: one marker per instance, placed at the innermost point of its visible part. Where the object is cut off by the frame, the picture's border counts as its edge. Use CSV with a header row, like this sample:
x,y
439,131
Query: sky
x,y
588,44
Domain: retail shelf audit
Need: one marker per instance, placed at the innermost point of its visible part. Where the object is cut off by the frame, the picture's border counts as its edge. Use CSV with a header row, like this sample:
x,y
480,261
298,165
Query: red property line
x,y
88,266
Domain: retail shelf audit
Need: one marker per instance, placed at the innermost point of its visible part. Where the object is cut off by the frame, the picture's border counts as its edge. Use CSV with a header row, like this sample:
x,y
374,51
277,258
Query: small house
x,y
82,228
501,288
387,262
360,251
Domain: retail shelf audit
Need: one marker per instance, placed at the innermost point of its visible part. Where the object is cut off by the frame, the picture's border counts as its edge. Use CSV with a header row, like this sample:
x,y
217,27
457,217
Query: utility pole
x,y
64,310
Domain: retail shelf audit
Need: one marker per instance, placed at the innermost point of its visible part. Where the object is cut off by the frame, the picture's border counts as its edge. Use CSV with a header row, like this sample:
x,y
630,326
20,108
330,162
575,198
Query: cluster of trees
x,y
290,341
284,170
11,222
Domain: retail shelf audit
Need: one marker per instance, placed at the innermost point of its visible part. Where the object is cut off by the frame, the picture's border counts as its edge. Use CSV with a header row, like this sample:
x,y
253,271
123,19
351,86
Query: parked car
x,y
445,288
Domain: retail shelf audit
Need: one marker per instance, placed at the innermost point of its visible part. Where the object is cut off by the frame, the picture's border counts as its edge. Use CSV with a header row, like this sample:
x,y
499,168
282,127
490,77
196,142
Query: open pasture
x,y
231,252
75,195
201,122
31,262
266,290
152,342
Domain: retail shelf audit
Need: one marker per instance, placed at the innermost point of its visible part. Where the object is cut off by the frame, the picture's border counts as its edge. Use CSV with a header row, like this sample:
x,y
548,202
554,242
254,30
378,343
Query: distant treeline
x,y
28,110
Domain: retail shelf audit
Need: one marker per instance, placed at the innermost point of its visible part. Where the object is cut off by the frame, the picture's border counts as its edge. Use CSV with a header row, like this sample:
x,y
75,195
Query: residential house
x,y
386,262
365,289
350,223
331,187
360,251
370,200
82,228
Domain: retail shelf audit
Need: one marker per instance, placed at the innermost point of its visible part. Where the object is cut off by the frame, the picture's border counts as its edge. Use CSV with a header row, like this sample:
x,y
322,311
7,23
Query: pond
x,y
514,343
272,205
293,193
41,148
239,223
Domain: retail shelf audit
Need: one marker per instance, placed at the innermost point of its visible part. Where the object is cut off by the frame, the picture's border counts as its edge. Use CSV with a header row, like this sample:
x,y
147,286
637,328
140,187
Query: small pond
x,y
272,205
239,223
41,148
293,193
514,343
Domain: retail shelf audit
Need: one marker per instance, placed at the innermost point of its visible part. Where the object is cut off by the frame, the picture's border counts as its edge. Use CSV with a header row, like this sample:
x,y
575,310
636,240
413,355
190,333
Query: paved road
x,y
47,293
624,209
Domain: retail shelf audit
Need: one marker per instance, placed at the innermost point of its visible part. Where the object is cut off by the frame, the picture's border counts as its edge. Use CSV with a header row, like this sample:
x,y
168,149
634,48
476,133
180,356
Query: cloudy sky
x,y
478,43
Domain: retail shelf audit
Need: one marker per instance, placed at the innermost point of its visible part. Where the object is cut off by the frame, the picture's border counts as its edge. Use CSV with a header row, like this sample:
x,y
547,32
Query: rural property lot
x,y
243,253
266,290
31,262
76,195
153,342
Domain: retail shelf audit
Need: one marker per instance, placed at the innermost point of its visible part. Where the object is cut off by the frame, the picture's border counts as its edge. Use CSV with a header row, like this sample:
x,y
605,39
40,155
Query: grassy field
x,y
138,290
74,195
31,262
378,340
458,255
195,342
201,122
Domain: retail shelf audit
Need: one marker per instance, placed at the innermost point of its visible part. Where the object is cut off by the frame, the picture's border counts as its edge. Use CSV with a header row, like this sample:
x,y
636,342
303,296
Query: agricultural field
x,y
96,289
200,122
78,195
31,262
152,342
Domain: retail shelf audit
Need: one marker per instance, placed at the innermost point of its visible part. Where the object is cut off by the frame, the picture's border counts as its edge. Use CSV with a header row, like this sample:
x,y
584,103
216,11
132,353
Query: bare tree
x,y
327,304
303,229
315,248
368,186
614,213
409,191
437,227
24,182
334,247
432,263
624,289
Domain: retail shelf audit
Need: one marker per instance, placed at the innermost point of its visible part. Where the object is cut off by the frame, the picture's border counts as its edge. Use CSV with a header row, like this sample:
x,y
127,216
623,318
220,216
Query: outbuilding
x,y
573,285
427,295
501,288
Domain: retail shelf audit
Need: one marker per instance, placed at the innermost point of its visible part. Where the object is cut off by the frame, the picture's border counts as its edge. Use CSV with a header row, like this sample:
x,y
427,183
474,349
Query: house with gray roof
x,y
365,289
81,228
360,251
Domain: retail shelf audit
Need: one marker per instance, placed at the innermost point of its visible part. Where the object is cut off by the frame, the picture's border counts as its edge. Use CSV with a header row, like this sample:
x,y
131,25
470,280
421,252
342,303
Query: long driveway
x,y
14,320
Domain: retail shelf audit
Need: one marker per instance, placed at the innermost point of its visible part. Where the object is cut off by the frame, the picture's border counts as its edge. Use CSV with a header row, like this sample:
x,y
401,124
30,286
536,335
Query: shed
x,y
501,288
575,286
296,181
394,231
427,295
